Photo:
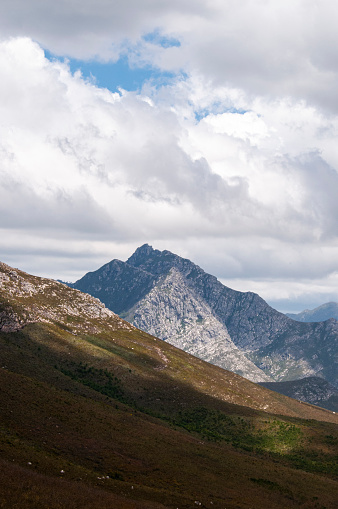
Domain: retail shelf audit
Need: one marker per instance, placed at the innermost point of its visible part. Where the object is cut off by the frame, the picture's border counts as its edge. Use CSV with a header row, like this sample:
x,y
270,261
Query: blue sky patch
x,y
217,109
115,75
161,40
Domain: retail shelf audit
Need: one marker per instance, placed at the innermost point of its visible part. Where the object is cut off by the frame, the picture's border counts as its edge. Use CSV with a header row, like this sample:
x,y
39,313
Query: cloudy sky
x,y
205,127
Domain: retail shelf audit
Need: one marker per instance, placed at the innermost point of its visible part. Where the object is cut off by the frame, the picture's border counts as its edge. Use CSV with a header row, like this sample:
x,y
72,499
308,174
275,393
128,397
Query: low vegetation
x,y
117,418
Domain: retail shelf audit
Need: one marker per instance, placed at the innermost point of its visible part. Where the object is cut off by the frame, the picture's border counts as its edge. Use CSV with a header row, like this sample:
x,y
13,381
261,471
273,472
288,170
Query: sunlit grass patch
x,y
279,436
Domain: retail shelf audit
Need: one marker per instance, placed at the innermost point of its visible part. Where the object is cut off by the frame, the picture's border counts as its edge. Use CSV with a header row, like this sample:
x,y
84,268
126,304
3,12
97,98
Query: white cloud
x,y
233,164
90,29
272,48
291,296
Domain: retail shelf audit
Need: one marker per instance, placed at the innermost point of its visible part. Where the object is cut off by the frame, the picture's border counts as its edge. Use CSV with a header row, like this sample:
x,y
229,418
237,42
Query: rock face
x,y
184,319
176,300
319,314
313,390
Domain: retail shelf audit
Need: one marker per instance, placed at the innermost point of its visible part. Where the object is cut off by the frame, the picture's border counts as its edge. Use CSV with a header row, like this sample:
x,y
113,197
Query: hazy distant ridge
x,y
319,314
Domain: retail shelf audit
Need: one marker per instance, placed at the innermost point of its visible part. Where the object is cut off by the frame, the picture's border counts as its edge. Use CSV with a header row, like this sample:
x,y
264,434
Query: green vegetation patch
x,y
276,436
313,461
100,380
212,424
279,436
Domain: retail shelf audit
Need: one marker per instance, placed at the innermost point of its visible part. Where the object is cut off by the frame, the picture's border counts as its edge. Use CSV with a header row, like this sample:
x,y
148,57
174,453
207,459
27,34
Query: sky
x,y
205,127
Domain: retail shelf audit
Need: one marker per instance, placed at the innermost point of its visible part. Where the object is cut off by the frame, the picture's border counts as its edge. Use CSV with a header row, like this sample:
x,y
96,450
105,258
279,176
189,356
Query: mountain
x,y
174,299
319,314
312,390
96,414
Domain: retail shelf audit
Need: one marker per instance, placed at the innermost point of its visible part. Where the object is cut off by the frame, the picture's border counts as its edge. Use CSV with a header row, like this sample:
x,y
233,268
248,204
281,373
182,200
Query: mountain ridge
x,y
281,348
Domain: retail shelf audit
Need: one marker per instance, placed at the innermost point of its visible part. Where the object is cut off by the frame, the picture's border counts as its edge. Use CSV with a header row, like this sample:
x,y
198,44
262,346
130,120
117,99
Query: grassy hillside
x,y
96,414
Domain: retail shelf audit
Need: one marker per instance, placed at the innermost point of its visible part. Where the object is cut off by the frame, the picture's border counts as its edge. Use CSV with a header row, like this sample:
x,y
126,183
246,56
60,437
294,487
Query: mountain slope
x,y
319,314
25,301
95,413
185,320
243,328
312,390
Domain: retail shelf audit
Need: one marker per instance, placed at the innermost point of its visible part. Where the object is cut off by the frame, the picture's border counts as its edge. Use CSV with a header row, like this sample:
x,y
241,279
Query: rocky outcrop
x,y
27,299
10,321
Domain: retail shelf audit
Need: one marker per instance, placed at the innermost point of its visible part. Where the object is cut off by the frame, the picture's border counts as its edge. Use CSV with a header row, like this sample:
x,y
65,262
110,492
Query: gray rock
x,y
176,300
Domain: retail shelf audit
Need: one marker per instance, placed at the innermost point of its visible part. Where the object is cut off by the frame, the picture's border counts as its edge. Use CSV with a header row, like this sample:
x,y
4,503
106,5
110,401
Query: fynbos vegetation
x,y
96,414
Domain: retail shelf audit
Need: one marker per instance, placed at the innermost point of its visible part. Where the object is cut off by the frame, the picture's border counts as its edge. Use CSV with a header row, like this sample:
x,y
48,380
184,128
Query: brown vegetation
x,y
120,419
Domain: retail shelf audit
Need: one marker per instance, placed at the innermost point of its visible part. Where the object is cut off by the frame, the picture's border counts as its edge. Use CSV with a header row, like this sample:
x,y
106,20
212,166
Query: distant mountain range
x,y
174,299
95,413
319,314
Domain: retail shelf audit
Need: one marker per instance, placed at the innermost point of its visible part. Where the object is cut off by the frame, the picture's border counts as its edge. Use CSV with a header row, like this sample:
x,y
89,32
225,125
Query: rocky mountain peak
x,y
171,297
159,263
141,255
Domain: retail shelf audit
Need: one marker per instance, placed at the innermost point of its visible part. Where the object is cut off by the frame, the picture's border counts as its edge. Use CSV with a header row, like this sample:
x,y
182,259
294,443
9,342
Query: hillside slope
x,y
95,413
229,328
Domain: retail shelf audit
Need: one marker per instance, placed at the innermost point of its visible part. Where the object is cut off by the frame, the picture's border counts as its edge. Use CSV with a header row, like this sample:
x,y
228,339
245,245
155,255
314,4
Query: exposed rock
x,y
176,300
27,299
184,319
